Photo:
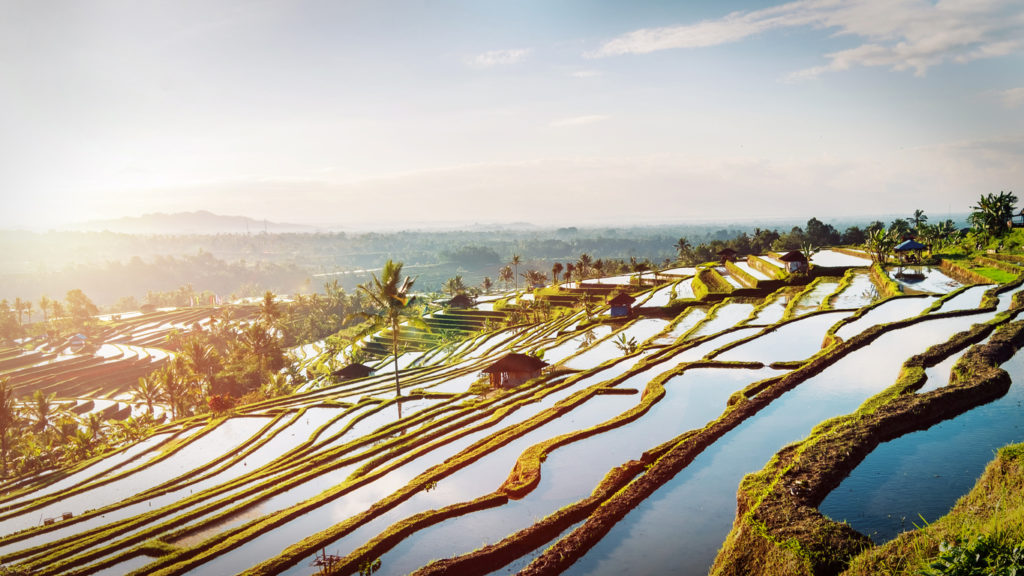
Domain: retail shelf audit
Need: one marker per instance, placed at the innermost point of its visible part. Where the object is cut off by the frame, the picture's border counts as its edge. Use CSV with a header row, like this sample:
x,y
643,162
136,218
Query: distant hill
x,y
200,222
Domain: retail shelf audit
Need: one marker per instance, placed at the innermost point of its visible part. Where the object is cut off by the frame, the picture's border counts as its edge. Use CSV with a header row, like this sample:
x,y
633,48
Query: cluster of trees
x,y
992,213
59,317
216,368
875,235
39,432
581,269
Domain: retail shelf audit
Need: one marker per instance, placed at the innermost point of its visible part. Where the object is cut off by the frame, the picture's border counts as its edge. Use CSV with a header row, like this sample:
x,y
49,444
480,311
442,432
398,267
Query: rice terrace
x,y
480,288
813,411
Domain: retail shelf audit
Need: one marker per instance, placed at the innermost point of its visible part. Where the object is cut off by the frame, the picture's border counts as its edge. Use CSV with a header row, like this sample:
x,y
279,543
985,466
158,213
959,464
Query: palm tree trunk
x,y
394,352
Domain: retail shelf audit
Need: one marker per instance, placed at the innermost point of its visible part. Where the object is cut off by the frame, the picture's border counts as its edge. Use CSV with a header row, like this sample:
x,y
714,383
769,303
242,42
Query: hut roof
x,y
514,362
793,256
460,301
355,370
909,245
622,299
727,252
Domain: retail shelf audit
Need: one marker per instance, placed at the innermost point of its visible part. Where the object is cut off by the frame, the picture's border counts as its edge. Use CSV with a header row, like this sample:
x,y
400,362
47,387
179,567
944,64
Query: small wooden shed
x,y
795,261
513,369
622,305
352,371
726,255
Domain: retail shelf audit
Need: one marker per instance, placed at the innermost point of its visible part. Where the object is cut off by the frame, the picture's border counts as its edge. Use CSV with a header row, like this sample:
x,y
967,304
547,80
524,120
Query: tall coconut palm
x,y
583,266
570,268
515,273
44,305
9,418
506,275
556,271
684,249
486,284
390,296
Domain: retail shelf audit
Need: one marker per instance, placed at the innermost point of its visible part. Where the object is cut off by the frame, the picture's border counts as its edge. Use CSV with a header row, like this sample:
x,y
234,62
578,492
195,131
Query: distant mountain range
x,y
200,222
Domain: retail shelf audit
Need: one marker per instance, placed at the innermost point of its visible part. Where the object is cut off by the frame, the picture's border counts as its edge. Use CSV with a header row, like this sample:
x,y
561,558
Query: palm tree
x,y
534,278
583,266
454,285
515,274
201,359
684,249
147,390
918,219
506,275
9,419
270,311
19,307
486,284
569,269
44,305
28,310
391,297
174,389
556,271
43,410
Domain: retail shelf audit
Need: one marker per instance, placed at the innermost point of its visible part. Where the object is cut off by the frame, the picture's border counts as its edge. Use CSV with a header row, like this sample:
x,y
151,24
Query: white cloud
x,y
587,74
578,120
499,58
897,34
1012,98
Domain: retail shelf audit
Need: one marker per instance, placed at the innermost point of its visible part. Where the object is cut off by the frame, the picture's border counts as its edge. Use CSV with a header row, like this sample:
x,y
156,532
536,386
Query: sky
x,y
352,113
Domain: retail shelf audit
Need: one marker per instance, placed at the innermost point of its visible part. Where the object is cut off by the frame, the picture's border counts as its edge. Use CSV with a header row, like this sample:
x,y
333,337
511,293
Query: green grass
x,y
995,274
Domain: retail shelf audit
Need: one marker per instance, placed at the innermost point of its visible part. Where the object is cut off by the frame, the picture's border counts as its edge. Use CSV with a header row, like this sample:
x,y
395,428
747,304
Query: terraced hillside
x,y
623,456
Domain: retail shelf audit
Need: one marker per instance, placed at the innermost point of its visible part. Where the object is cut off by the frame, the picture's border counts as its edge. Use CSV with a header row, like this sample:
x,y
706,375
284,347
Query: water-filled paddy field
x,y
345,469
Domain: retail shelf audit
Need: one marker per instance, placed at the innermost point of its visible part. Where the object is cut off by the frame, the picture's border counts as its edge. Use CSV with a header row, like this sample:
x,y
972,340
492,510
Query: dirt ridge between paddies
x,y
686,447
779,530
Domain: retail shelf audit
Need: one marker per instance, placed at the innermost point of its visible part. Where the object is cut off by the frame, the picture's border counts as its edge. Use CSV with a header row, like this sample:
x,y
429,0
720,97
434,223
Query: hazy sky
x,y
336,112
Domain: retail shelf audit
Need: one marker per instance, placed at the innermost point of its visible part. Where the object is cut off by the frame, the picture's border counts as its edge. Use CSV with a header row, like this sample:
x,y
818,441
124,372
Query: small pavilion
x,y
795,261
904,250
353,371
621,305
726,255
513,369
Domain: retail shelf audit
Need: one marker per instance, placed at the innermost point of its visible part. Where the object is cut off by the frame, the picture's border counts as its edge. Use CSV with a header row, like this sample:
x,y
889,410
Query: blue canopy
x,y
909,245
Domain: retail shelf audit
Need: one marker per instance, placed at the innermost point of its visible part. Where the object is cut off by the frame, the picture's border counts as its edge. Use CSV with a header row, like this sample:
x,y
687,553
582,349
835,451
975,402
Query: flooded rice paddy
x,y
344,463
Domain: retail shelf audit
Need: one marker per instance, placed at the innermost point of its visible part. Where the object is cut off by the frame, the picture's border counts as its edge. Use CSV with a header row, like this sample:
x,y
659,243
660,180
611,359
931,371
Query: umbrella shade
x,y
909,245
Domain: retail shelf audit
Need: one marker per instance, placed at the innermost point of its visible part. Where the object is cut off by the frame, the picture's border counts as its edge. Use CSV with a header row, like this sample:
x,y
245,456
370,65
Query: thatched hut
x,y
513,368
794,260
352,371
461,300
726,255
621,305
